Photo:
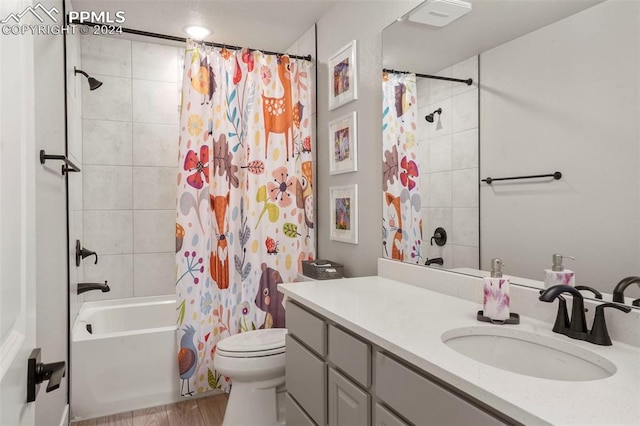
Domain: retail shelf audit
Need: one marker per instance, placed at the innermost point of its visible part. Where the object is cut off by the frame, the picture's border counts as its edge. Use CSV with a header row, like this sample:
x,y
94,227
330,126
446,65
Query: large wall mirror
x,y
555,89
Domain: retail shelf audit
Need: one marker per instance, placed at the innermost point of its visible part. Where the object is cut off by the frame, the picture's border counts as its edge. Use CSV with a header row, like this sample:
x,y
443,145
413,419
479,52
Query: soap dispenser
x,y
496,293
557,275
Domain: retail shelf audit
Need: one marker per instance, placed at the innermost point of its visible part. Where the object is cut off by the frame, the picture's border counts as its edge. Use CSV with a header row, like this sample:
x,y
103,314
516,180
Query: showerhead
x,y
93,83
430,117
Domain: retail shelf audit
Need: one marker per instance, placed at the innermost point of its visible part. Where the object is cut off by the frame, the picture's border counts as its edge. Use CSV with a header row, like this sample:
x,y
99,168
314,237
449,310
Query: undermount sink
x,y
528,353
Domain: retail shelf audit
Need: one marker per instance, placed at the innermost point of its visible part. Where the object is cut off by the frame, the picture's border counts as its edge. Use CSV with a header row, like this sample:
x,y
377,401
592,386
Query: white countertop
x,y
409,321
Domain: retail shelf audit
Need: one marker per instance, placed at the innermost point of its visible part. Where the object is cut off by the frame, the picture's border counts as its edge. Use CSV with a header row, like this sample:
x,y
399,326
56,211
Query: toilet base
x,y
249,405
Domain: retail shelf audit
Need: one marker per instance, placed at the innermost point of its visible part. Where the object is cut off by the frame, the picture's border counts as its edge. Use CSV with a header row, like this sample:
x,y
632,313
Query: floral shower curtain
x,y
401,218
245,203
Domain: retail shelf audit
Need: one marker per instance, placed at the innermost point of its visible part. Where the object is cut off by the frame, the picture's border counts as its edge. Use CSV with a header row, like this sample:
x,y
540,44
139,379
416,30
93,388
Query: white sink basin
x,y
528,353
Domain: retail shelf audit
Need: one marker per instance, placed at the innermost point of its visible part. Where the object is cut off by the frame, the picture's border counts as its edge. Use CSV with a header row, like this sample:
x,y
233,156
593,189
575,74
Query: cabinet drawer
x,y
348,404
296,415
385,417
422,401
307,327
351,355
306,377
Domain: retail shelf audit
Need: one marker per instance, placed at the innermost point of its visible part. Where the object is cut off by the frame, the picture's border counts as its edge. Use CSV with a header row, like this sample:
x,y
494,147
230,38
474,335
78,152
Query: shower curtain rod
x,y
183,39
468,81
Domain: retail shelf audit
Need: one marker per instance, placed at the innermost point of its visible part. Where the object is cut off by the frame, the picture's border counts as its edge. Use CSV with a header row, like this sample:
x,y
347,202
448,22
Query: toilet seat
x,y
253,344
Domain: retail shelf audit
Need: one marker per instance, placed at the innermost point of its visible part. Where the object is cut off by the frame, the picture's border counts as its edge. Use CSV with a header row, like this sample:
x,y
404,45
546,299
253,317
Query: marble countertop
x,y
409,321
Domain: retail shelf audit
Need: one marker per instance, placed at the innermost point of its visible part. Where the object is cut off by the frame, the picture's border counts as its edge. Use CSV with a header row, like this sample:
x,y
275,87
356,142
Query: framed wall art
x,y
343,76
343,144
343,201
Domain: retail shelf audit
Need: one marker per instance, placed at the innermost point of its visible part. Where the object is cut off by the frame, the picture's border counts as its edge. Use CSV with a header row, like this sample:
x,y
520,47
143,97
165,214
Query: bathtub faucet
x,y
82,287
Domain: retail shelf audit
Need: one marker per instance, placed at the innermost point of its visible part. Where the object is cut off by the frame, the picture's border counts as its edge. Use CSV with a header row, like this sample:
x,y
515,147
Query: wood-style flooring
x,y
207,411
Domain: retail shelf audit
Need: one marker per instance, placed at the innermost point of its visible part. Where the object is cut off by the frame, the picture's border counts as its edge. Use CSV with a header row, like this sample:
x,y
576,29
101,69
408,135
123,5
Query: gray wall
x,y
564,98
364,22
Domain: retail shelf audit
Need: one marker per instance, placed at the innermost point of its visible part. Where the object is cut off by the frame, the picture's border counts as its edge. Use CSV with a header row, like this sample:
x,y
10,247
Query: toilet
x,y
255,363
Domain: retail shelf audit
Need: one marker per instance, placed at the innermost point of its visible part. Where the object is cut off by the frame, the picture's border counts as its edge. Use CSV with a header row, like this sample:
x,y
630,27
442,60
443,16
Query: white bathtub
x,y
129,361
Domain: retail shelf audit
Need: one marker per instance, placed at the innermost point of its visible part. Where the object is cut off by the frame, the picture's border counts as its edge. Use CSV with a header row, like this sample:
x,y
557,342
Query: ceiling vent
x,y
439,12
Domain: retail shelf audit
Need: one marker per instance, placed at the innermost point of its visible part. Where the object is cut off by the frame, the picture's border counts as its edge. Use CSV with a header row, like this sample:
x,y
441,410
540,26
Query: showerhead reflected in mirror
x,y
529,121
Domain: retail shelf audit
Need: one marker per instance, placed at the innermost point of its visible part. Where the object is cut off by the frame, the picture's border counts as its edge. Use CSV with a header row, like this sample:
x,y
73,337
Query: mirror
x,y
556,88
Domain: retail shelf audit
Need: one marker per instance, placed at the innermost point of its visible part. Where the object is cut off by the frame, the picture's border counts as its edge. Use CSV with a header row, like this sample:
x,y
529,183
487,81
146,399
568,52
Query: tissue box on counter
x,y
322,269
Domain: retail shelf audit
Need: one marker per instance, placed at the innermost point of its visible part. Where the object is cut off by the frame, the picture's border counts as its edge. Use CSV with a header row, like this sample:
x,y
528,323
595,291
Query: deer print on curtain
x,y
244,202
401,221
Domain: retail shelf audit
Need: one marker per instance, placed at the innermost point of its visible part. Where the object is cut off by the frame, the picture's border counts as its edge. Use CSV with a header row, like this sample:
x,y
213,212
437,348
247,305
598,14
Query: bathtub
x,y
123,356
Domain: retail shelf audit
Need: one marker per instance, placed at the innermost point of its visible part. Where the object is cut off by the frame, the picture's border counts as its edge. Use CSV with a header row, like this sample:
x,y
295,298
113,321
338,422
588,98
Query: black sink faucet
x,y
83,287
578,322
618,292
577,328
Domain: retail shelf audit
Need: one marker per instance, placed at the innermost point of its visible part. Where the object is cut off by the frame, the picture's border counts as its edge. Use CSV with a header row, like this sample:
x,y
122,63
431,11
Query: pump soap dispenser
x,y
496,294
557,274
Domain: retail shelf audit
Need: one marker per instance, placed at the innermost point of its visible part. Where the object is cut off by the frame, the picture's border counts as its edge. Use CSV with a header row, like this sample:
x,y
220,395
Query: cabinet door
x,y
307,380
348,404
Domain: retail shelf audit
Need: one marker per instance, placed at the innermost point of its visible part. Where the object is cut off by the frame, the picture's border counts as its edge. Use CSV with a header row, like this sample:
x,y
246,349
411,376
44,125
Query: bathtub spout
x,y
82,287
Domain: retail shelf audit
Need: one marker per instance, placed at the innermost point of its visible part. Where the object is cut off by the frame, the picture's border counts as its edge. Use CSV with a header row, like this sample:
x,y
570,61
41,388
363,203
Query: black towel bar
x,y
68,165
556,176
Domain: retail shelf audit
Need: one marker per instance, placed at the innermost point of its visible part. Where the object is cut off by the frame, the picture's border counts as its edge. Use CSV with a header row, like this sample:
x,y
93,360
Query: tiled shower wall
x,y
448,164
130,147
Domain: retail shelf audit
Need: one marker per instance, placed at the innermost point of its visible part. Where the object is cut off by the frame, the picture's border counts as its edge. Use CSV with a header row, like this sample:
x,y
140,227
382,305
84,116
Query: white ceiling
x,y
410,46
262,24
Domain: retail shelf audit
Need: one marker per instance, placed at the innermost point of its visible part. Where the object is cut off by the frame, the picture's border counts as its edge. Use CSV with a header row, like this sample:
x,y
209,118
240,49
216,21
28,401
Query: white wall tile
x,y
155,145
423,186
422,132
439,154
464,70
466,226
155,102
106,56
465,111
153,231
108,232
154,274
117,270
464,149
464,188
107,142
154,188
154,62
439,190
107,187
112,101
440,89
466,257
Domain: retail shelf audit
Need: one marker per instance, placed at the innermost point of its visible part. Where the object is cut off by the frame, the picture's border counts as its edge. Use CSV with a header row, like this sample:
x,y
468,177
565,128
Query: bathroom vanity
x,y
372,350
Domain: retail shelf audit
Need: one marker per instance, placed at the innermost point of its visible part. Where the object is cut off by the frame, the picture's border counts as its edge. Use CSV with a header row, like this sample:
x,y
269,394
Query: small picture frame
x,y
343,201
343,76
343,144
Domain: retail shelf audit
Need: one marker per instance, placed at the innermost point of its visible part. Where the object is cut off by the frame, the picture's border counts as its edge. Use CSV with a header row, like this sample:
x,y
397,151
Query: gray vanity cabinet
x,y
336,378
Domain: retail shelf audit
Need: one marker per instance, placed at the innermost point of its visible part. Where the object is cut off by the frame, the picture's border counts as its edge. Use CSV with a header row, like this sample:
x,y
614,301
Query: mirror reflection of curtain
x,y
244,217
401,219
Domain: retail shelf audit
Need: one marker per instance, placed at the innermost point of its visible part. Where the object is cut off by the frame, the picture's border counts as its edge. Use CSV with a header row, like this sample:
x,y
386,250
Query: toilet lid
x,y
258,341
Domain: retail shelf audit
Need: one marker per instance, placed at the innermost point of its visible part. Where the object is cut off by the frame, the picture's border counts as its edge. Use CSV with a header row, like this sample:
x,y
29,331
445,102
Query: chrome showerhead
x,y
93,83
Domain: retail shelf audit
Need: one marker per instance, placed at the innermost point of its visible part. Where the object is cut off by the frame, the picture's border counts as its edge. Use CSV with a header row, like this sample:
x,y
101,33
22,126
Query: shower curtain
x,y
245,202
401,218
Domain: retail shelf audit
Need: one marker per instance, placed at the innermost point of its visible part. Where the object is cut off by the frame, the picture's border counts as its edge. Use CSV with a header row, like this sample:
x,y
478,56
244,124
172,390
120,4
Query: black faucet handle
x,y
595,292
599,333
636,302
